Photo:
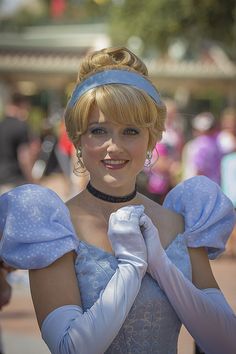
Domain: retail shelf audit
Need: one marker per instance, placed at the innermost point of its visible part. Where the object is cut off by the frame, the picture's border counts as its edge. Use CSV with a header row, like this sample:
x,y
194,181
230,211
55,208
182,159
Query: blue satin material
x,y
108,77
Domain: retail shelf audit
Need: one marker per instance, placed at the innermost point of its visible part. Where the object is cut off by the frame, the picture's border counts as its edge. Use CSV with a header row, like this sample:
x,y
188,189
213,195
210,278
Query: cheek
x,y
91,150
139,152
91,143
90,157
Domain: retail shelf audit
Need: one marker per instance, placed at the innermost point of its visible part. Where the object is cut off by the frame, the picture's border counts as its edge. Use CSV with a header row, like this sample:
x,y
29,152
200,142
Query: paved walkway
x,y
21,334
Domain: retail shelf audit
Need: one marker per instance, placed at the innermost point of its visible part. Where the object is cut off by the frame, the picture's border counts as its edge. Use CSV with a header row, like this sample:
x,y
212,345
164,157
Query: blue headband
x,y
107,77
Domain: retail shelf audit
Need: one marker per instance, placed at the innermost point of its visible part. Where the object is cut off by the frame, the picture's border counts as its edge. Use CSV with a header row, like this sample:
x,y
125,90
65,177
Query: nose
x,y
114,145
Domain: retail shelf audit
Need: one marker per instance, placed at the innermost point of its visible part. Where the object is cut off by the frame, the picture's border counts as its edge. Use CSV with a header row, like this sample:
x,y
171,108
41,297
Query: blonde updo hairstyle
x,y
122,103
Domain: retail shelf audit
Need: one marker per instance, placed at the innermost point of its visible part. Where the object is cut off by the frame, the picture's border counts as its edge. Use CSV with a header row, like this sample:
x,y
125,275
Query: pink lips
x,y
114,164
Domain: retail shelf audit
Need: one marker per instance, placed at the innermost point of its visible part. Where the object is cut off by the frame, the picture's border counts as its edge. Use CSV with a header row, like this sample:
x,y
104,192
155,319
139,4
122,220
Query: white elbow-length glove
x,y
205,313
67,330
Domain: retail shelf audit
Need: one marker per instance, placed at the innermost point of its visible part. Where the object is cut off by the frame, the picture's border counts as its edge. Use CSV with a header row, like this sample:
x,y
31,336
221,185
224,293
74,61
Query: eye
x,y
97,131
131,131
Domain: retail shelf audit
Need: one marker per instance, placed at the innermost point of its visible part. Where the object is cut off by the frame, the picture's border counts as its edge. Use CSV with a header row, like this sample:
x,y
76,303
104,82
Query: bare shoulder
x,y
73,202
77,207
169,223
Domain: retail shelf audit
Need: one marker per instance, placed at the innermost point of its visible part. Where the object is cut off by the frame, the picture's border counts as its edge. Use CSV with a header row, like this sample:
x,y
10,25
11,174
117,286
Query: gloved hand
x,y
198,309
126,237
153,243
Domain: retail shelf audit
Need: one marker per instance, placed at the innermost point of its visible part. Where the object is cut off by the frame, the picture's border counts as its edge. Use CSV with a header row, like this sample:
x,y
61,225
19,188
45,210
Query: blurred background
x,y
189,48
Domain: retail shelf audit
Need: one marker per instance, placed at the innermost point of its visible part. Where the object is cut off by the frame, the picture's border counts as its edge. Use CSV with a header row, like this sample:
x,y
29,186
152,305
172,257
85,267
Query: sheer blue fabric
x,y
209,214
37,230
123,77
35,226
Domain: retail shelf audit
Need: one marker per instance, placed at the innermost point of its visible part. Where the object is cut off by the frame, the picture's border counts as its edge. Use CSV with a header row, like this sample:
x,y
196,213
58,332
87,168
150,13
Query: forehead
x,y
95,115
119,107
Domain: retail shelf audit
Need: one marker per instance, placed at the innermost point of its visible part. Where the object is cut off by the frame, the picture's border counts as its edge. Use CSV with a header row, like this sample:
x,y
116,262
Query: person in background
x,y
112,271
15,156
226,138
15,164
67,152
227,144
164,171
201,155
56,162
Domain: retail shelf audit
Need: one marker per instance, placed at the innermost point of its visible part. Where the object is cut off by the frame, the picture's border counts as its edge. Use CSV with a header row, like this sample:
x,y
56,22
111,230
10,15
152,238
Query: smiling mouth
x,y
114,164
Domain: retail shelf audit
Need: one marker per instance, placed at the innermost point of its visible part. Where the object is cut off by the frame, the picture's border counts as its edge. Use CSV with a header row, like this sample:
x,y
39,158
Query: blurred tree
x,y
177,25
41,12
26,13
88,11
159,23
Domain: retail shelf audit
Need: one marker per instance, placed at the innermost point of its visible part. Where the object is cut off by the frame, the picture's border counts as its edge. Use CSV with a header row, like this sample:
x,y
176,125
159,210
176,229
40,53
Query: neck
x,y
110,198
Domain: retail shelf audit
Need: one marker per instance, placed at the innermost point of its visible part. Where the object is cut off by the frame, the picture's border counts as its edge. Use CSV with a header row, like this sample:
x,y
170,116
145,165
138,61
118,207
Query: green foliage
x,y
160,22
25,16
76,12
87,11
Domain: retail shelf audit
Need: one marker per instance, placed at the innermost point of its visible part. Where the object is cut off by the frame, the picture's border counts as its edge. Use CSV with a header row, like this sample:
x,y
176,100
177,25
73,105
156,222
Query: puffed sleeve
x,y
209,215
35,226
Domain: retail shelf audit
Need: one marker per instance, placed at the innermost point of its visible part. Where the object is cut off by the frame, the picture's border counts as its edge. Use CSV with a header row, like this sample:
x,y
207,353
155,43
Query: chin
x,y
112,182
115,183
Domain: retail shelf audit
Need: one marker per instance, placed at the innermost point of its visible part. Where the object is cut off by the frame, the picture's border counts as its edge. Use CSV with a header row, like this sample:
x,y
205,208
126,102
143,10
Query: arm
x,y
5,288
204,312
65,328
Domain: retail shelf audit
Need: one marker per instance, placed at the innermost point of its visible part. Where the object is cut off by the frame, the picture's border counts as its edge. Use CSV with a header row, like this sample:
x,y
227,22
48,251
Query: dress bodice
x,y
152,325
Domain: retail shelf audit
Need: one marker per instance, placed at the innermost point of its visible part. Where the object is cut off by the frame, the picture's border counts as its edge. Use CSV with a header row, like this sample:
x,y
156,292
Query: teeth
x,y
114,162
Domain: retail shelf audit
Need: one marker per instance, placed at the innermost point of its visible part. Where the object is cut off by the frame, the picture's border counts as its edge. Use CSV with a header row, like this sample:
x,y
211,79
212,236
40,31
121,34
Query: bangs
x,y
125,105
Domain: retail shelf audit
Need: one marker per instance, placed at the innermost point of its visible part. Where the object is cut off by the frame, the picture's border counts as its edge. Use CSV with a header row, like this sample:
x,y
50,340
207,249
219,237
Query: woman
x,y
128,272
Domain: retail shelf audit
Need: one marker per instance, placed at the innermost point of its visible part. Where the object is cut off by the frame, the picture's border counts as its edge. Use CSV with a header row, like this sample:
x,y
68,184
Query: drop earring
x,y
148,159
78,153
80,165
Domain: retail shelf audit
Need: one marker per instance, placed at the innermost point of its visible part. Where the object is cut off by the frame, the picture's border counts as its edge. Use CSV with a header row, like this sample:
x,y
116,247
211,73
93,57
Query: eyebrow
x,y
97,123
103,123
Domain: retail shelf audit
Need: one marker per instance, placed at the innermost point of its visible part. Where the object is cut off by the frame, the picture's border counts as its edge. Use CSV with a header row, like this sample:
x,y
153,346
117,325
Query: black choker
x,y
110,198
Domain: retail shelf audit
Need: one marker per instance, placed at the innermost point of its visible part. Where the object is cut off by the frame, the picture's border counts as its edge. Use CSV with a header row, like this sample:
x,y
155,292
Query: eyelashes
x,y
131,131
98,131
102,131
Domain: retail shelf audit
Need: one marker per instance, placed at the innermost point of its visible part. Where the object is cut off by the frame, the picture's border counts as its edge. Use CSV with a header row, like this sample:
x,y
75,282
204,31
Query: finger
x,y
132,212
129,212
144,221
